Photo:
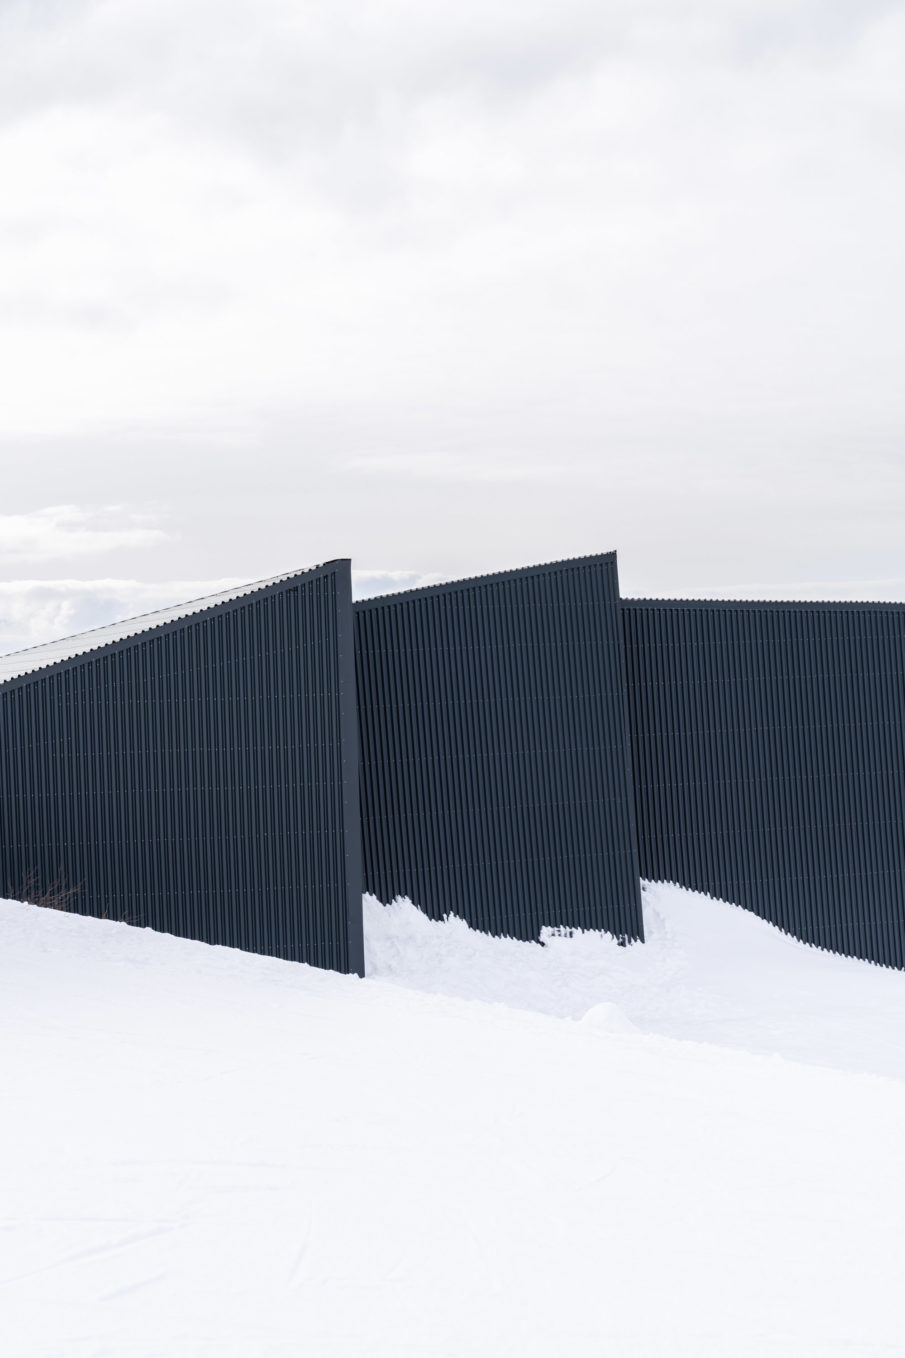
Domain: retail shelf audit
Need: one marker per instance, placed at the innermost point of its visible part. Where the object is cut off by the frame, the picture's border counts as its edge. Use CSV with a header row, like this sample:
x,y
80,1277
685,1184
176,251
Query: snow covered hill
x,y
204,1153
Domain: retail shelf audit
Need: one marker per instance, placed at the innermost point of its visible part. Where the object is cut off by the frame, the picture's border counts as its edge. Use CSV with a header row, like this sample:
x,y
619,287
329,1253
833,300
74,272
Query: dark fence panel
x,y
768,745
495,776
199,778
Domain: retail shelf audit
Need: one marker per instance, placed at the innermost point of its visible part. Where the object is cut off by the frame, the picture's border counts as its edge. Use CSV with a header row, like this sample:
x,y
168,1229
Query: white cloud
x,y
71,530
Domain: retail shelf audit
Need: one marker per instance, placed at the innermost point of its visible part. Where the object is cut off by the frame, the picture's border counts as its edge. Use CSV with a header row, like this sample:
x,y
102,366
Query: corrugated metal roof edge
x,y
192,608
479,581
764,605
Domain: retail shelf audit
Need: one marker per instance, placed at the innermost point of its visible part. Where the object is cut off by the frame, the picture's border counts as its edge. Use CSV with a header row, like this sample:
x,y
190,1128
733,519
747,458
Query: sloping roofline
x,y
23,664
478,581
768,605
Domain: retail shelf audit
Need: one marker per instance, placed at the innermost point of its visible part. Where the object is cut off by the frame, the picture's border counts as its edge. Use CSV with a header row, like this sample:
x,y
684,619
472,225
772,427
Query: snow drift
x,y
708,971
207,1154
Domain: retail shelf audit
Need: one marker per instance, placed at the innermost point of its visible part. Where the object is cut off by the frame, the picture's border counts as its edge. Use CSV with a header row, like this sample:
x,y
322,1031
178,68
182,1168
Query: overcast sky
x,y
446,288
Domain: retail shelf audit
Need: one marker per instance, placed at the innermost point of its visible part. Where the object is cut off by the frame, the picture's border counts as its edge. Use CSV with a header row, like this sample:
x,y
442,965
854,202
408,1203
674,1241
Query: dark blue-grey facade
x,y
494,760
768,752
524,745
200,777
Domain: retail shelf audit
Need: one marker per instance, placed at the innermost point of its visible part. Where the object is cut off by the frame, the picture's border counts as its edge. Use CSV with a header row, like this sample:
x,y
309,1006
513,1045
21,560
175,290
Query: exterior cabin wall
x,y
199,778
494,760
768,750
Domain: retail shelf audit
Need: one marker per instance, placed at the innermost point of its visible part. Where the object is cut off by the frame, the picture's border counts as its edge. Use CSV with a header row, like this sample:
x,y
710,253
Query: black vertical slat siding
x,y
494,760
200,777
768,754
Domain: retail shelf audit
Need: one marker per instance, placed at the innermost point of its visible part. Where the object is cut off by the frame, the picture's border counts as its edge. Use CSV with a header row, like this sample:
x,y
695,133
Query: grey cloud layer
x,y
446,287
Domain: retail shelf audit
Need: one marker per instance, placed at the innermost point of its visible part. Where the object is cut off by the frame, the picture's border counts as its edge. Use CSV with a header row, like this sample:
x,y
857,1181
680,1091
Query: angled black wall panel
x,y
768,746
199,777
495,775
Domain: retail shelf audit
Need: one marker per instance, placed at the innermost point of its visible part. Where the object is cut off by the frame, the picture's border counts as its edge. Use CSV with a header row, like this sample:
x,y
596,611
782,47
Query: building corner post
x,y
345,630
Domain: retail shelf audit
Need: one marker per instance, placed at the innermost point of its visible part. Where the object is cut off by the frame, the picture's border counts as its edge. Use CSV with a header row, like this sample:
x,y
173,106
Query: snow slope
x,y
206,1153
708,971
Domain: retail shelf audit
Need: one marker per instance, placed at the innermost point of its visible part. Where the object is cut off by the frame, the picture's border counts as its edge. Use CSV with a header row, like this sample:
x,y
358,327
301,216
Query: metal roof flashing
x,y
33,660
480,581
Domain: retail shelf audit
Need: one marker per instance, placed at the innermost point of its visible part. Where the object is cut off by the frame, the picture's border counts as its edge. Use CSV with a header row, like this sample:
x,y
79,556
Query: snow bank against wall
x,y
708,971
210,1154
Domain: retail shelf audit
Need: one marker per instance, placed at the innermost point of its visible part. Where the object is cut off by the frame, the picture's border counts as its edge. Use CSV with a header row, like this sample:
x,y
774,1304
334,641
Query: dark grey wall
x,y
768,745
495,776
203,778
200,778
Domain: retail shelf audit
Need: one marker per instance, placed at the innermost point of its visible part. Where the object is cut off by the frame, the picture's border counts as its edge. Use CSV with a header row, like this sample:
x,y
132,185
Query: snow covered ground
x,y
204,1153
708,971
